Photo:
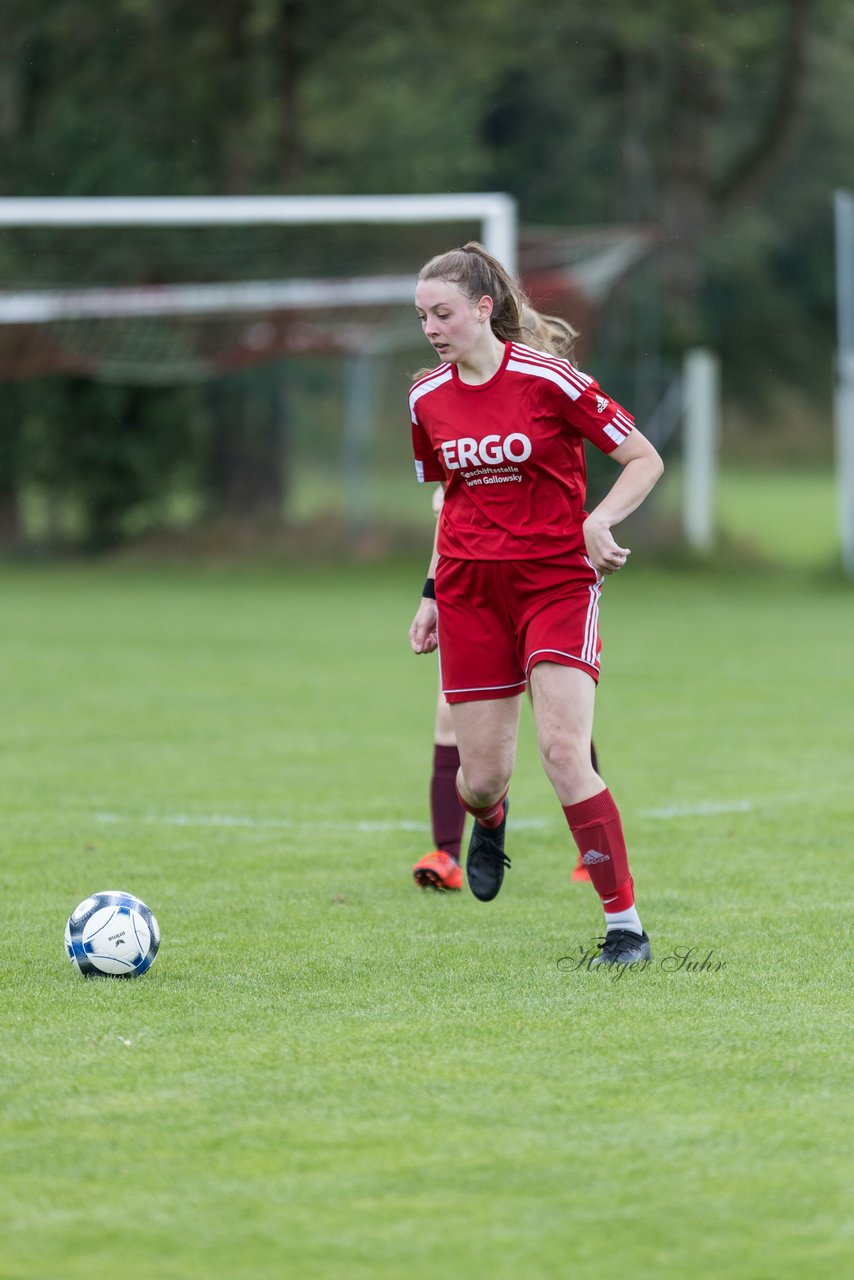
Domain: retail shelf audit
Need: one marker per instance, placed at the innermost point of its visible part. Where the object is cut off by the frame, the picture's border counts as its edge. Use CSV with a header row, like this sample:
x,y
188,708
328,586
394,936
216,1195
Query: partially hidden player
x,y
518,565
440,868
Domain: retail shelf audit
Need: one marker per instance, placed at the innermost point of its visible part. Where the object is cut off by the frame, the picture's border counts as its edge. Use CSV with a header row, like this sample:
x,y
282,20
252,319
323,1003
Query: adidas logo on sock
x,y
593,855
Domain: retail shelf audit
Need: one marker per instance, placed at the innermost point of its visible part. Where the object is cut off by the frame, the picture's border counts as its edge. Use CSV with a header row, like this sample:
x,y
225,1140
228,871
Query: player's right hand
x,y
423,634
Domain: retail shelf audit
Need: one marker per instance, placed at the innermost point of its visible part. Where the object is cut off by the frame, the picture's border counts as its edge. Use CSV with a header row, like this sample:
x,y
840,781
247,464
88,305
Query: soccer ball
x,y
112,933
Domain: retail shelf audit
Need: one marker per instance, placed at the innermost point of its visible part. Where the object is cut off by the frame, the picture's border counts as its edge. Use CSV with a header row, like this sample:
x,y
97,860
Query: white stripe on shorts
x,y
591,627
487,688
588,655
563,654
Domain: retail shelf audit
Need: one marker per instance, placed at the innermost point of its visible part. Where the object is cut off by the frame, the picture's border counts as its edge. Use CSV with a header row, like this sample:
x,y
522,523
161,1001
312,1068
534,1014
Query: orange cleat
x,y
438,870
580,872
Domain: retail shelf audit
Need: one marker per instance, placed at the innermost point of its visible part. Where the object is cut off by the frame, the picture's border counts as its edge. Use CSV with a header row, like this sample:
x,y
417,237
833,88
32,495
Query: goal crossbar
x,y
495,210
33,307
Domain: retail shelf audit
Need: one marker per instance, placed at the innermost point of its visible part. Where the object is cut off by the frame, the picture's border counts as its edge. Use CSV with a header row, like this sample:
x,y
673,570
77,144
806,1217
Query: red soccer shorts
x,y
499,618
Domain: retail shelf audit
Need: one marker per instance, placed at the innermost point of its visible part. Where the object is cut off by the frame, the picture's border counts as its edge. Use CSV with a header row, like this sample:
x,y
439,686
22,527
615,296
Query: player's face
x,y
452,324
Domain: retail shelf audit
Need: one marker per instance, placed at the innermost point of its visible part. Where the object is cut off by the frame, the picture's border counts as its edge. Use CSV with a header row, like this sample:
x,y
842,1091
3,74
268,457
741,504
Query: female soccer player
x,y
513,588
440,868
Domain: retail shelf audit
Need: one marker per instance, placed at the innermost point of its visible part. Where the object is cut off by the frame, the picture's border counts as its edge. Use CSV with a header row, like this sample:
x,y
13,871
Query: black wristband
x,y
429,591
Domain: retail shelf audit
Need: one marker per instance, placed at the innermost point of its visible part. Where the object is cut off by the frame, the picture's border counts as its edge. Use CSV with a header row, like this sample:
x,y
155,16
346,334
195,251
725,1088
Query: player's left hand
x,y
605,554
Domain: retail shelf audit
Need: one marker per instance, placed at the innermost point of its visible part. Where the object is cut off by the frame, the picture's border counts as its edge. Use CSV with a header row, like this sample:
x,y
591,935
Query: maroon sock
x,y
492,816
446,815
597,830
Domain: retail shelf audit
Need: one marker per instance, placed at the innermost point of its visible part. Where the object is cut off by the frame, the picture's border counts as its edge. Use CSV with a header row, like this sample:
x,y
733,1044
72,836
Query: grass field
x,y
771,515
328,1074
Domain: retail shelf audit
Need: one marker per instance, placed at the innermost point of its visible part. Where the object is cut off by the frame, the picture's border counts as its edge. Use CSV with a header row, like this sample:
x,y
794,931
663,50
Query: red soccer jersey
x,y
512,453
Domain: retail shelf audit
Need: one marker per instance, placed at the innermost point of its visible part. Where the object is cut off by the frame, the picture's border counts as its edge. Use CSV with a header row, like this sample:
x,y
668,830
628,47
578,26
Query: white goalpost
x,y
235,294
844,404
164,291
494,211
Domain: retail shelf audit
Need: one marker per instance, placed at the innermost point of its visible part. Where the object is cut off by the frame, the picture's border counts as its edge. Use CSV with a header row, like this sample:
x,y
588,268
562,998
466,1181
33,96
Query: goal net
x,y
170,290
307,298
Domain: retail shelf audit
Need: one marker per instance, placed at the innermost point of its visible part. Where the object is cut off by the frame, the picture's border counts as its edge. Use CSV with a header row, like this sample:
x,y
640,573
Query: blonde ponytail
x,y
551,334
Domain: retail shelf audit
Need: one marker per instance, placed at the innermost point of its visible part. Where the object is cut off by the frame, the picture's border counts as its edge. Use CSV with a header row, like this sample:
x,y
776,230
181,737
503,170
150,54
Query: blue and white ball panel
x,y
112,933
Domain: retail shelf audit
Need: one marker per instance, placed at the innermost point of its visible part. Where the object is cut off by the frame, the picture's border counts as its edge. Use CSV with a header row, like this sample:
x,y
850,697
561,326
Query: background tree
x,y
724,125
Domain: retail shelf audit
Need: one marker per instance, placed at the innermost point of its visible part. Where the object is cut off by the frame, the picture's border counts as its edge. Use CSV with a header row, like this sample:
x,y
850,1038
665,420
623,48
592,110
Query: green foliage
x,y
108,450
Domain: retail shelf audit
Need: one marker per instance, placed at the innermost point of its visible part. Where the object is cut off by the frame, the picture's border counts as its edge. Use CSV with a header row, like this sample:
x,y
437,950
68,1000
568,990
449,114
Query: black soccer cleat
x,y
622,946
486,860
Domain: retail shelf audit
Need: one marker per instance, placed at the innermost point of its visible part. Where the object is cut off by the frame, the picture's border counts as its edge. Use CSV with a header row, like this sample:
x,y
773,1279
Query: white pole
x,y
500,232
42,306
493,207
844,219
358,434
701,392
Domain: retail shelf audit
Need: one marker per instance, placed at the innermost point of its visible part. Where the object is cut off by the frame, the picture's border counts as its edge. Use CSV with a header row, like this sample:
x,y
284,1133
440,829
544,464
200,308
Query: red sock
x,y
447,817
597,830
491,817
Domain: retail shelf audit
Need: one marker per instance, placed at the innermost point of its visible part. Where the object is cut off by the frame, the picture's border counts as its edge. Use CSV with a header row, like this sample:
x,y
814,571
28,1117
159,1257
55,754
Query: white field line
x,y
715,808
665,813
278,824
701,809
